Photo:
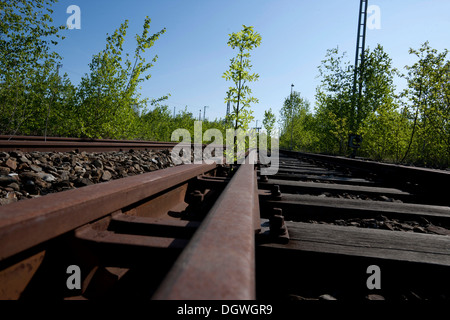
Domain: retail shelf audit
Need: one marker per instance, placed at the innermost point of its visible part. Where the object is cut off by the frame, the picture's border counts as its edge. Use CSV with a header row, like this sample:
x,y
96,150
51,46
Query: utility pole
x,y
59,65
228,110
292,117
200,115
257,128
257,133
204,112
174,111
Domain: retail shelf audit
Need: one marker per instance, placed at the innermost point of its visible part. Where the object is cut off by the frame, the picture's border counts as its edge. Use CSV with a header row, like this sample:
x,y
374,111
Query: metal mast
x,y
204,112
354,139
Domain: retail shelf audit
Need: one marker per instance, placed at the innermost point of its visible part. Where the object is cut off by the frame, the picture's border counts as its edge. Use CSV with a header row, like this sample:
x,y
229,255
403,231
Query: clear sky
x,y
193,53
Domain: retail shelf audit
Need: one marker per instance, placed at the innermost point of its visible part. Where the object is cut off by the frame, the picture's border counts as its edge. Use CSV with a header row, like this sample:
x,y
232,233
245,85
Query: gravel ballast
x,y
25,175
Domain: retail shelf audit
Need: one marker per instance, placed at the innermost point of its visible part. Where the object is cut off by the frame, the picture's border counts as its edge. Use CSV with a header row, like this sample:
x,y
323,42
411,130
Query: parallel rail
x,y
52,144
209,231
113,230
219,261
421,181
345,215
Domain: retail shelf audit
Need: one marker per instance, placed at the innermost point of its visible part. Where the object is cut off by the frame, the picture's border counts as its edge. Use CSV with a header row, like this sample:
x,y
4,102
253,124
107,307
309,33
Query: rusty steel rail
x,y
219,261
352,214
28,223
387,169
63,139
425,182
90,146
210,232
61,144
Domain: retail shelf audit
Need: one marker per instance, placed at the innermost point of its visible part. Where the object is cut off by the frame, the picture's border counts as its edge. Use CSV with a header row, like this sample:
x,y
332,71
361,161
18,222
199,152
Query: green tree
x,y
157,124
292,116
62,120
378,84
333,100
385,133
428,93
239,73
334,95
109,95
269,124
379,119
296,123
28,64
269,121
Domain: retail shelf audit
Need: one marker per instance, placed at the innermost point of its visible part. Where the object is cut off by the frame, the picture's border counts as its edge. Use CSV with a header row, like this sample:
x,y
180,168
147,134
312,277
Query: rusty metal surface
x,y
51,144
27,223
15,278
42,138
69,145
219,261
425,183
159,206
256,211
62,139
427,174
108,237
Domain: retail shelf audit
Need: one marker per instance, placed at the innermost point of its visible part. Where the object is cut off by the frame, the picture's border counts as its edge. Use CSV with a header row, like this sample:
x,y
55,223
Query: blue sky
x,y
193,53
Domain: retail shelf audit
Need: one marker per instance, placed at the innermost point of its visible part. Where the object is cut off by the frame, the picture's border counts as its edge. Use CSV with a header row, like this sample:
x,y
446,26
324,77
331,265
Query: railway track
x,y
322,228
51,144
347,218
